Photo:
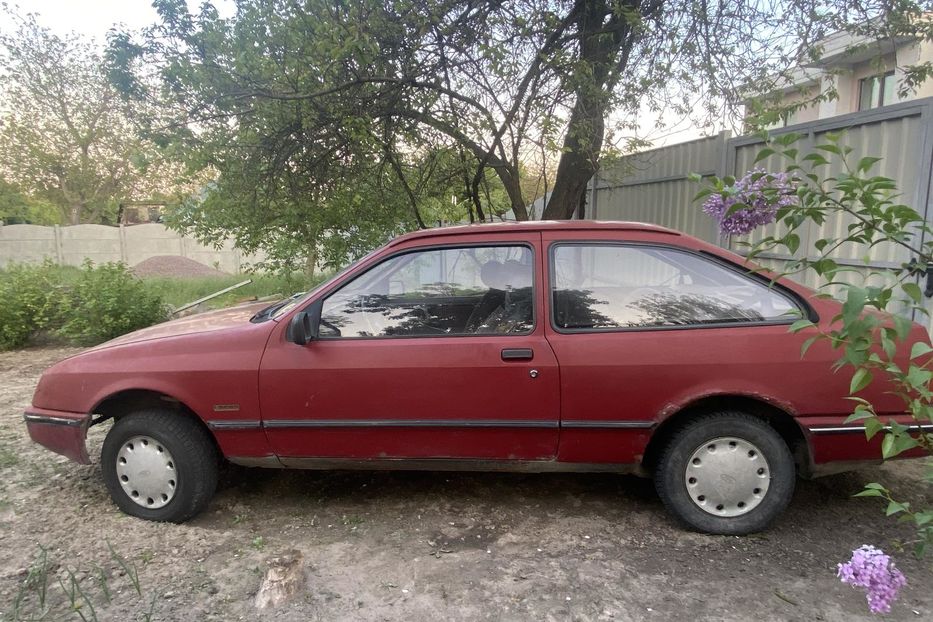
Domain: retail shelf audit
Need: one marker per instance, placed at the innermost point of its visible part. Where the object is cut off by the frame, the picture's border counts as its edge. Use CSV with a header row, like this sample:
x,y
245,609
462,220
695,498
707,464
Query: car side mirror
x,y
301,328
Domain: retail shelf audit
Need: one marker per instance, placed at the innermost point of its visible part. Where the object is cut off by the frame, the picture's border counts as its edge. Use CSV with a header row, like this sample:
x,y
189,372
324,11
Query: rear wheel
x,y
726,473
159,465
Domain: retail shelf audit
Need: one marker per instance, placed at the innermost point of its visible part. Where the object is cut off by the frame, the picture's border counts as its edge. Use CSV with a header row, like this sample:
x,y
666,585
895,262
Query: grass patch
x,y
177,292
8,458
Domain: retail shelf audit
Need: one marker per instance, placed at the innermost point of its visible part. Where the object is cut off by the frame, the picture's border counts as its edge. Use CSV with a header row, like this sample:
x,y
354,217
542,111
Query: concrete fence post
x,y
123,256
59,250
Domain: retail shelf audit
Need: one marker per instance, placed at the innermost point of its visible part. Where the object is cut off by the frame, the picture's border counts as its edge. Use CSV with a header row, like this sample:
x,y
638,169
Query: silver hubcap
x,y
727,476
146,471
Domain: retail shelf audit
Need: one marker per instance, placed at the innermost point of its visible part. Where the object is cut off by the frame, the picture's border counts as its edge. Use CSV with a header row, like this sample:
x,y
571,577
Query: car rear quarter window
x,y
619,286
437,292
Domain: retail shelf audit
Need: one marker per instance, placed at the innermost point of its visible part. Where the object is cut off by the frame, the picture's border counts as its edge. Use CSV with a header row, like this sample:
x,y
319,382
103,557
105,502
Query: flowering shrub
x,y
865,212
874,572
750,202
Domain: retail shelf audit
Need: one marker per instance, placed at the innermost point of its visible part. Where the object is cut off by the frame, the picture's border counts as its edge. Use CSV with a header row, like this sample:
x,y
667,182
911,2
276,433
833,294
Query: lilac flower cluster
x,y
874,572
763,193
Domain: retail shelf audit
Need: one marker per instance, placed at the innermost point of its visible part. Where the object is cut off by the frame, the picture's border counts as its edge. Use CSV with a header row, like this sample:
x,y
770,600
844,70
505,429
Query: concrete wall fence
x,y
130,244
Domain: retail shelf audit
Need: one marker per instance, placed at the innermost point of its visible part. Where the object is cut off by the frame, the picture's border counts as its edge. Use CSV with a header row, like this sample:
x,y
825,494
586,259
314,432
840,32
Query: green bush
x,y
92,304
107,301
31,299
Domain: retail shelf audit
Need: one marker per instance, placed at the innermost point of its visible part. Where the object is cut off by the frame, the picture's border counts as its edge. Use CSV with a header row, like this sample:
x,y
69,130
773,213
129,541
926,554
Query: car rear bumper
x,y
836,446
62,432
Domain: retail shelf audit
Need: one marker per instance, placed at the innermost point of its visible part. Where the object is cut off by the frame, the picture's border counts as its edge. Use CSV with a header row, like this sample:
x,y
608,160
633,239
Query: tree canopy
x,y
298,103
67,137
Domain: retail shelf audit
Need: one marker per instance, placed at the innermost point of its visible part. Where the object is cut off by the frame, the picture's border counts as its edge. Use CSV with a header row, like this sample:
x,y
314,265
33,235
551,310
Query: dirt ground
x,y
422,546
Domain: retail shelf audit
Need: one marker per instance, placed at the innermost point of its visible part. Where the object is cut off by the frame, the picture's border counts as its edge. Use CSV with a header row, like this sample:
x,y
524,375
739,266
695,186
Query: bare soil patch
x,y
424,546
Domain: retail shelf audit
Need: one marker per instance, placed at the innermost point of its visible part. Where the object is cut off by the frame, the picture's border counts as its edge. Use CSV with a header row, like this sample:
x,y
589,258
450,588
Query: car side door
x,y
642,326
428,351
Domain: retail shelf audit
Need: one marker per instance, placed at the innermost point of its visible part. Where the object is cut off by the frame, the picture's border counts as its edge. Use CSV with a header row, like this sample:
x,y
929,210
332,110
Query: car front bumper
x,y
62,432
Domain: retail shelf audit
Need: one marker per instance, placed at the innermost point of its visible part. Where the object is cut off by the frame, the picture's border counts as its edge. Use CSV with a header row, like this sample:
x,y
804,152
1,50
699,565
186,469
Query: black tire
x,y
195,463
671,473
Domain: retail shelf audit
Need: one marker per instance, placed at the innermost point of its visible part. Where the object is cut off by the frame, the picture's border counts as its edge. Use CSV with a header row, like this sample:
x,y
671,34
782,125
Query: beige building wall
x,y
846,80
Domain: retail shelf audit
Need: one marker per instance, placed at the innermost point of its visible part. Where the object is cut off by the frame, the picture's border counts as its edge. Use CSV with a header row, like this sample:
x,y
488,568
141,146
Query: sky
x,y
92,18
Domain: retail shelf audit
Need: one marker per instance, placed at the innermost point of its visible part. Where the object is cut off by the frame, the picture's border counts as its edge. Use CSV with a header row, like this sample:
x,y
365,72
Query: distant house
x,y
865,73
140,212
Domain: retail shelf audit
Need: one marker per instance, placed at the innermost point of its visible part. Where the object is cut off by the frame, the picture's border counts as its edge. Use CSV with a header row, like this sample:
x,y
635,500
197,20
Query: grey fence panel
x,y
902,136
652,186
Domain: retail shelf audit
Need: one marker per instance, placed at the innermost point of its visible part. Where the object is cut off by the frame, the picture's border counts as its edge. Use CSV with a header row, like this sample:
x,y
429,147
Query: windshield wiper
x,y
267,312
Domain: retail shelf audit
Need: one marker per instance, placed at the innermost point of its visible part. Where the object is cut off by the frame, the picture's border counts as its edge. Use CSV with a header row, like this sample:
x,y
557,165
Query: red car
x,y
570,346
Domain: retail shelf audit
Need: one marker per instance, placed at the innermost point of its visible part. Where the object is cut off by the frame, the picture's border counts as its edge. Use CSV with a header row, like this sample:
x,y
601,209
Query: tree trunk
x,y
74,214
578,163
512,182
604,53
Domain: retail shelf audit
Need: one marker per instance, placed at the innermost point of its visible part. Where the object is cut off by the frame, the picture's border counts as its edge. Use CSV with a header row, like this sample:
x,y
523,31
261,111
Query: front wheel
x,y
159,465
726,473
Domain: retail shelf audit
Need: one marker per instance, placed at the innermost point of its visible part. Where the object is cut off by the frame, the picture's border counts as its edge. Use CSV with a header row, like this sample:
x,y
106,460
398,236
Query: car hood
x,y
198,323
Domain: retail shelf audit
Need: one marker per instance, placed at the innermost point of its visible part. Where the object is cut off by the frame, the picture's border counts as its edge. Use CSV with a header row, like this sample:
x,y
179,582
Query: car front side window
x,y
613,286
437,292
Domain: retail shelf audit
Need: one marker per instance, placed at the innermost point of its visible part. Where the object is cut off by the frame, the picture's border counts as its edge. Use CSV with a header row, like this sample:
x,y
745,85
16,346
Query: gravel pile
x,y
174,266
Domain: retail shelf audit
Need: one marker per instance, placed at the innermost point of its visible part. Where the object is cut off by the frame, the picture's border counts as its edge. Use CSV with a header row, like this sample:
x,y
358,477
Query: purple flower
x,y
874,572
761,195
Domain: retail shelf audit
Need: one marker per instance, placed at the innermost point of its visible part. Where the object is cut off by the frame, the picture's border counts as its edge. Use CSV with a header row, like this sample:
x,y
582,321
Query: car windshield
x,y
289,304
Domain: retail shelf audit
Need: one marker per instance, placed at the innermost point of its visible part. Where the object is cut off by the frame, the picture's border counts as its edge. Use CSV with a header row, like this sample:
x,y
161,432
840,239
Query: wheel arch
x,y
779,417
126,401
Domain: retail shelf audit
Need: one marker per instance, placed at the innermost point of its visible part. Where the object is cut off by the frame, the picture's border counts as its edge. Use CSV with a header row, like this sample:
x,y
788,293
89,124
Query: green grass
x,y
8,458
178,292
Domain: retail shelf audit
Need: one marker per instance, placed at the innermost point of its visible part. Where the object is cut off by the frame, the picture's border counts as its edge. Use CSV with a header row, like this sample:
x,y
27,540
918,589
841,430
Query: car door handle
x,y
517,354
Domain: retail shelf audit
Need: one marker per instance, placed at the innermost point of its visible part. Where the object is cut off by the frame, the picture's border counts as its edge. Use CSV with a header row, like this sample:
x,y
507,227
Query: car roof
x,y
536,225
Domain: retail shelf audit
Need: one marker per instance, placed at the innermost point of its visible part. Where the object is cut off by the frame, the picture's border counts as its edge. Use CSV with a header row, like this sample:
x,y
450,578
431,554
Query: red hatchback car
x,y
570,346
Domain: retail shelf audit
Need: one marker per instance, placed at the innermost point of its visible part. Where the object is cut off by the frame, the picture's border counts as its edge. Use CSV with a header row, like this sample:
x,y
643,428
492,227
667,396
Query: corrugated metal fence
x,y
652,186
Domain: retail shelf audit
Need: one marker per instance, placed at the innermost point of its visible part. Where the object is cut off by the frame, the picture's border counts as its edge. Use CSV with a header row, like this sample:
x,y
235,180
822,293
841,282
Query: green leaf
x,y
923,518
799,325
869,492
902,326
918,377
919,349
829,148
806,345
872,427
815,159
895,507
792,242
865,164
859,415
855,302
887,446
860,379
763,154
913,290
